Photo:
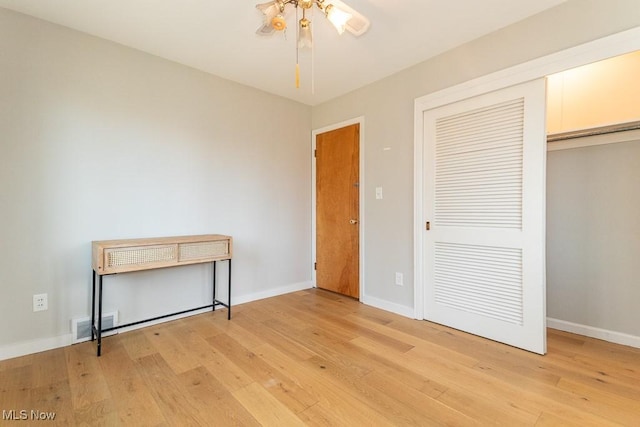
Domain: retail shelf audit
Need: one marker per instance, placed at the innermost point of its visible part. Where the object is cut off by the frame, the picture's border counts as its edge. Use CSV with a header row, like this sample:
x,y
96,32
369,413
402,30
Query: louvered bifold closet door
x,y
484,201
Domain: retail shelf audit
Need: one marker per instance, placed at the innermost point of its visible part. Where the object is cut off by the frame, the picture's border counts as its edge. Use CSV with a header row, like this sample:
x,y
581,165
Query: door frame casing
x,y
361,219
597,50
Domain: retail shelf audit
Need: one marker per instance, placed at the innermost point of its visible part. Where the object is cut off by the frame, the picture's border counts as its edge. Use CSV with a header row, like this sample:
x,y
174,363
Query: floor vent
x,y
81,328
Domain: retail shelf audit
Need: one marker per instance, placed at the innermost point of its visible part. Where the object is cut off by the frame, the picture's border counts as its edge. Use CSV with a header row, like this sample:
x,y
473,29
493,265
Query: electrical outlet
x,y
40,302
399,281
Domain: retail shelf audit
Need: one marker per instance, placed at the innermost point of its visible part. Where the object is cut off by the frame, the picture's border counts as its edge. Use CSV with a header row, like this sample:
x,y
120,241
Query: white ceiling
x,y
218,36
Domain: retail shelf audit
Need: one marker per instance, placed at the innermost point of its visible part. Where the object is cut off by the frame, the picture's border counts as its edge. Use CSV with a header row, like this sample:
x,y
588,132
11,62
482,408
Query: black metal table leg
x,y
99,331
214,287
96,326
93,305
229,308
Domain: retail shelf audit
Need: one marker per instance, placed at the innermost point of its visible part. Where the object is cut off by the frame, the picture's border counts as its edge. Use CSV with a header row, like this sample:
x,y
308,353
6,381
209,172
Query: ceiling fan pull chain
x,y
297,52
313,67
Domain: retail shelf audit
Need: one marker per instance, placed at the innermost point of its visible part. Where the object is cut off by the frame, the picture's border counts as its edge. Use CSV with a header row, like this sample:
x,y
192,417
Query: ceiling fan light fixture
x,y
358,24
337,17
305,39
341,16
270,10
279,23
306,4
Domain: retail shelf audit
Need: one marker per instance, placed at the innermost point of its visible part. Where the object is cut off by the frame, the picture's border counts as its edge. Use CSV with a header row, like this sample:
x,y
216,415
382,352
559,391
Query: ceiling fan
x,y
339,14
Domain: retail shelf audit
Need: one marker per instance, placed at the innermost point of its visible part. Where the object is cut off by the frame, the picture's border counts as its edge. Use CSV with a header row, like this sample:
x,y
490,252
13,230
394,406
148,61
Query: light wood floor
x,y
316,358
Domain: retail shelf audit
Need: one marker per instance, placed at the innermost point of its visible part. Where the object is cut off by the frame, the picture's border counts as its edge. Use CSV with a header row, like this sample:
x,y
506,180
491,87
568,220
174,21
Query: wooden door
x,y
485,213
337,210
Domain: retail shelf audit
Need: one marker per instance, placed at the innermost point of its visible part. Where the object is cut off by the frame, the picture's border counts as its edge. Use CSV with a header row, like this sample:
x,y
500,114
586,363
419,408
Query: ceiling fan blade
x,y
266,30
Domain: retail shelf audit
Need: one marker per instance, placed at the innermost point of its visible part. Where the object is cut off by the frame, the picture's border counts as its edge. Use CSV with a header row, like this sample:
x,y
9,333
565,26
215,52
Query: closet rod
x,y
602,130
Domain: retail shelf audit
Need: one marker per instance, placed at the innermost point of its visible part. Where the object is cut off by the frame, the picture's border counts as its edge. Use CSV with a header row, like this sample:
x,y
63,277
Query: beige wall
x,y
99,141
599,94
387,107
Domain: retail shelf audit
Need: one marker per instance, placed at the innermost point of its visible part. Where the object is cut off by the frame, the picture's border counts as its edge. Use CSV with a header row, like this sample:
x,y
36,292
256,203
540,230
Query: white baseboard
x,y
592,332
34,346
43,344
271,293
388,306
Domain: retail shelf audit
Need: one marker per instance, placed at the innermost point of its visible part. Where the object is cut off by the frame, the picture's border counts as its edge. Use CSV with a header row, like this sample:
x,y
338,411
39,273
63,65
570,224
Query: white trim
x,y
418,214
34,346
388,306
361,219
590,331
294,287
590,141
38,345
597,50
606,47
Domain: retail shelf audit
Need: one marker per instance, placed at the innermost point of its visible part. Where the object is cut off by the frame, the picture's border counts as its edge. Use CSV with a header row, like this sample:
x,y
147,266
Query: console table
x,y
122,256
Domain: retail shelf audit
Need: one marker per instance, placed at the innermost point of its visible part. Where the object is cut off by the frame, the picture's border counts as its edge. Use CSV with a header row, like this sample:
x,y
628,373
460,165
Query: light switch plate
x,y
379,193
